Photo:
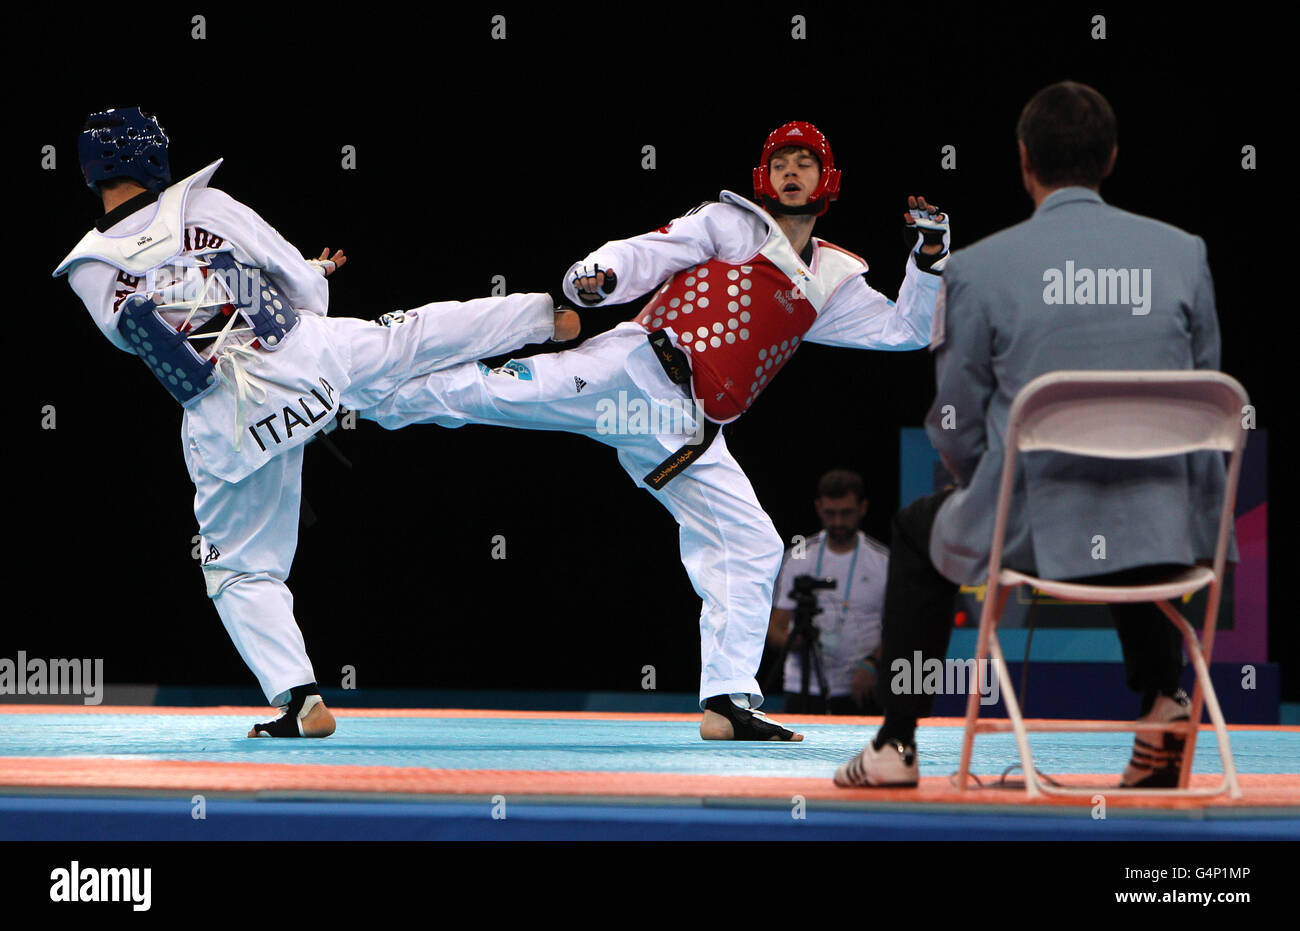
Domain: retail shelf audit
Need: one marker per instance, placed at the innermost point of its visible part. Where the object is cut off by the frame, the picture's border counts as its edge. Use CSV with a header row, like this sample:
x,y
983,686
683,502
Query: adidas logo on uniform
x,y
579,383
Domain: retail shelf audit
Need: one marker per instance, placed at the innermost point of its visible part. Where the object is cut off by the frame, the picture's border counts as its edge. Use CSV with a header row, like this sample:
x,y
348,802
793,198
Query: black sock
x,y
896,727
746,724
287,724
298,696
1149,698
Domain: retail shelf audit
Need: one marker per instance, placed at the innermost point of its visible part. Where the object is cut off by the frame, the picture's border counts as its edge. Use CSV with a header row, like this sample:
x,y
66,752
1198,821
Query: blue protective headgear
x,y
124,143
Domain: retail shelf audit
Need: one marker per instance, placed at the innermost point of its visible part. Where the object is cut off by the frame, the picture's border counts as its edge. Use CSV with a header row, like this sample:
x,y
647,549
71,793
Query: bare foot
x,y
714,726
319,722
567,326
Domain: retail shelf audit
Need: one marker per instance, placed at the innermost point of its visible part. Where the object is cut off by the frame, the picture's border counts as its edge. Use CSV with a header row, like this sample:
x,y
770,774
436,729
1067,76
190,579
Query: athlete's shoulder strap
x,y
744,203
835,252
160,240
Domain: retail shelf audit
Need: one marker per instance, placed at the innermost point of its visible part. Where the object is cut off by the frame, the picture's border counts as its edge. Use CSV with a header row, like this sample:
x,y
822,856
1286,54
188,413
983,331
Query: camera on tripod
x,y
806,585
807,607
804,637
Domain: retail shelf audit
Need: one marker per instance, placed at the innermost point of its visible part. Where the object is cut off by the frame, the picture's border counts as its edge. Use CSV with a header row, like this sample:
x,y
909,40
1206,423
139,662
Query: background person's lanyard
x,y
848,586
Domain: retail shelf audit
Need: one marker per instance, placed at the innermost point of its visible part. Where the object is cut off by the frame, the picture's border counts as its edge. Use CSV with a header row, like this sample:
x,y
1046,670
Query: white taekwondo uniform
x,y
732,295
254,401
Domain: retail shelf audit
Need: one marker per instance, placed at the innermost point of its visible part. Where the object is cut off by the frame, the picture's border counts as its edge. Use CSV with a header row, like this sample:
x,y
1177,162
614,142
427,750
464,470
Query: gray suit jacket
x,y
1079,285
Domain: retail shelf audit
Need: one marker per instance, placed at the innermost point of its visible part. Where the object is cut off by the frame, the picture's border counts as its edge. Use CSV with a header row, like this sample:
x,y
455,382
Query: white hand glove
x,y
593,283
934,229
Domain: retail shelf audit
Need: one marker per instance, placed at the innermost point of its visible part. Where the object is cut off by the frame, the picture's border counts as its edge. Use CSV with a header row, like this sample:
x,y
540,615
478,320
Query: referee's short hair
x,y
840,482
1069,131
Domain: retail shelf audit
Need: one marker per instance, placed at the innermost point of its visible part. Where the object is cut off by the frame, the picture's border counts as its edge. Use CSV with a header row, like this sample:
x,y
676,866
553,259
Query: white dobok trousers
x,y
613,389
249,528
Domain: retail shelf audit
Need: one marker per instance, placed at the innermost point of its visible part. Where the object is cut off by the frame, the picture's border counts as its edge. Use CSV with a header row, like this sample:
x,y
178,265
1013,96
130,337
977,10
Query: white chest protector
x,y
832,267
160,242
187,297
280,391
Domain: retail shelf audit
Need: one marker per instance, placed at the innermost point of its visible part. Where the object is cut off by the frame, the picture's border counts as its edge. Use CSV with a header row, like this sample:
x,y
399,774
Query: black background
x,y
1087,876
477,158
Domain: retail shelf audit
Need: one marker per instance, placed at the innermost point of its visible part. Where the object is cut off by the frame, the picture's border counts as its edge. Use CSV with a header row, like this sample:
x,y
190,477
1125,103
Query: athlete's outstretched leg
x,y
400,346
557,391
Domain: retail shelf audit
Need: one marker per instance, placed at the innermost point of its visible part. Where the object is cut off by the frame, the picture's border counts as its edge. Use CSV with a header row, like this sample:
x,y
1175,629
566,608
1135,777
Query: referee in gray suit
x,y
1079,285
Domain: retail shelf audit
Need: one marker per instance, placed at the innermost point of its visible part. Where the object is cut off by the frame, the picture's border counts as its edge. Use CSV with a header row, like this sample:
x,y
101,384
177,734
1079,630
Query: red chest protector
x,y
741,323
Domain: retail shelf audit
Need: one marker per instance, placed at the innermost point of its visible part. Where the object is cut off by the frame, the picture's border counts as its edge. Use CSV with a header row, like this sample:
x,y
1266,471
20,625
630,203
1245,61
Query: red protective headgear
x,y
807,136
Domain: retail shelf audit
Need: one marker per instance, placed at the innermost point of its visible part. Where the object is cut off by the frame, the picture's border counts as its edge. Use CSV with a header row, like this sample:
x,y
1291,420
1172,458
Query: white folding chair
x,y
1117,415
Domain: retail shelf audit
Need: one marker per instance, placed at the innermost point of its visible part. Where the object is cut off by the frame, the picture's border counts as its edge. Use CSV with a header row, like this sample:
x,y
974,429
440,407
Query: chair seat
x,y
1177,585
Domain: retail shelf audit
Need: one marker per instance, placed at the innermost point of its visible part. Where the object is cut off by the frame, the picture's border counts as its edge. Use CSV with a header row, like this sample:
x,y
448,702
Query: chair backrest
x,y
1128,415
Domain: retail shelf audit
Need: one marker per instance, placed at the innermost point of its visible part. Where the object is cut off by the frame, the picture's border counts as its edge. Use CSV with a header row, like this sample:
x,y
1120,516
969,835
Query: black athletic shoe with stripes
x,y
1158,758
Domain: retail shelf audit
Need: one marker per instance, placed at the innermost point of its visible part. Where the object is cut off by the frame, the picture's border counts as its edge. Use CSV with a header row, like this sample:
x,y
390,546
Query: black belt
x,y
678,369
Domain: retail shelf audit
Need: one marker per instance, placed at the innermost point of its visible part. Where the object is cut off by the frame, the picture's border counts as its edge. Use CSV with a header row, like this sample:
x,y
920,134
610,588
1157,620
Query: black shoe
x,y
1157,758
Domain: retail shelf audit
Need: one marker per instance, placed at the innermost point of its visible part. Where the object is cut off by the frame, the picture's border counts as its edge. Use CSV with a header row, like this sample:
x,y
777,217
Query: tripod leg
x,y
820,668
776,675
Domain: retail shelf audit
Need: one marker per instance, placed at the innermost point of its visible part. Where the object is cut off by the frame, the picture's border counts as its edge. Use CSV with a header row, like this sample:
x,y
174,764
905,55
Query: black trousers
x,y
918,615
